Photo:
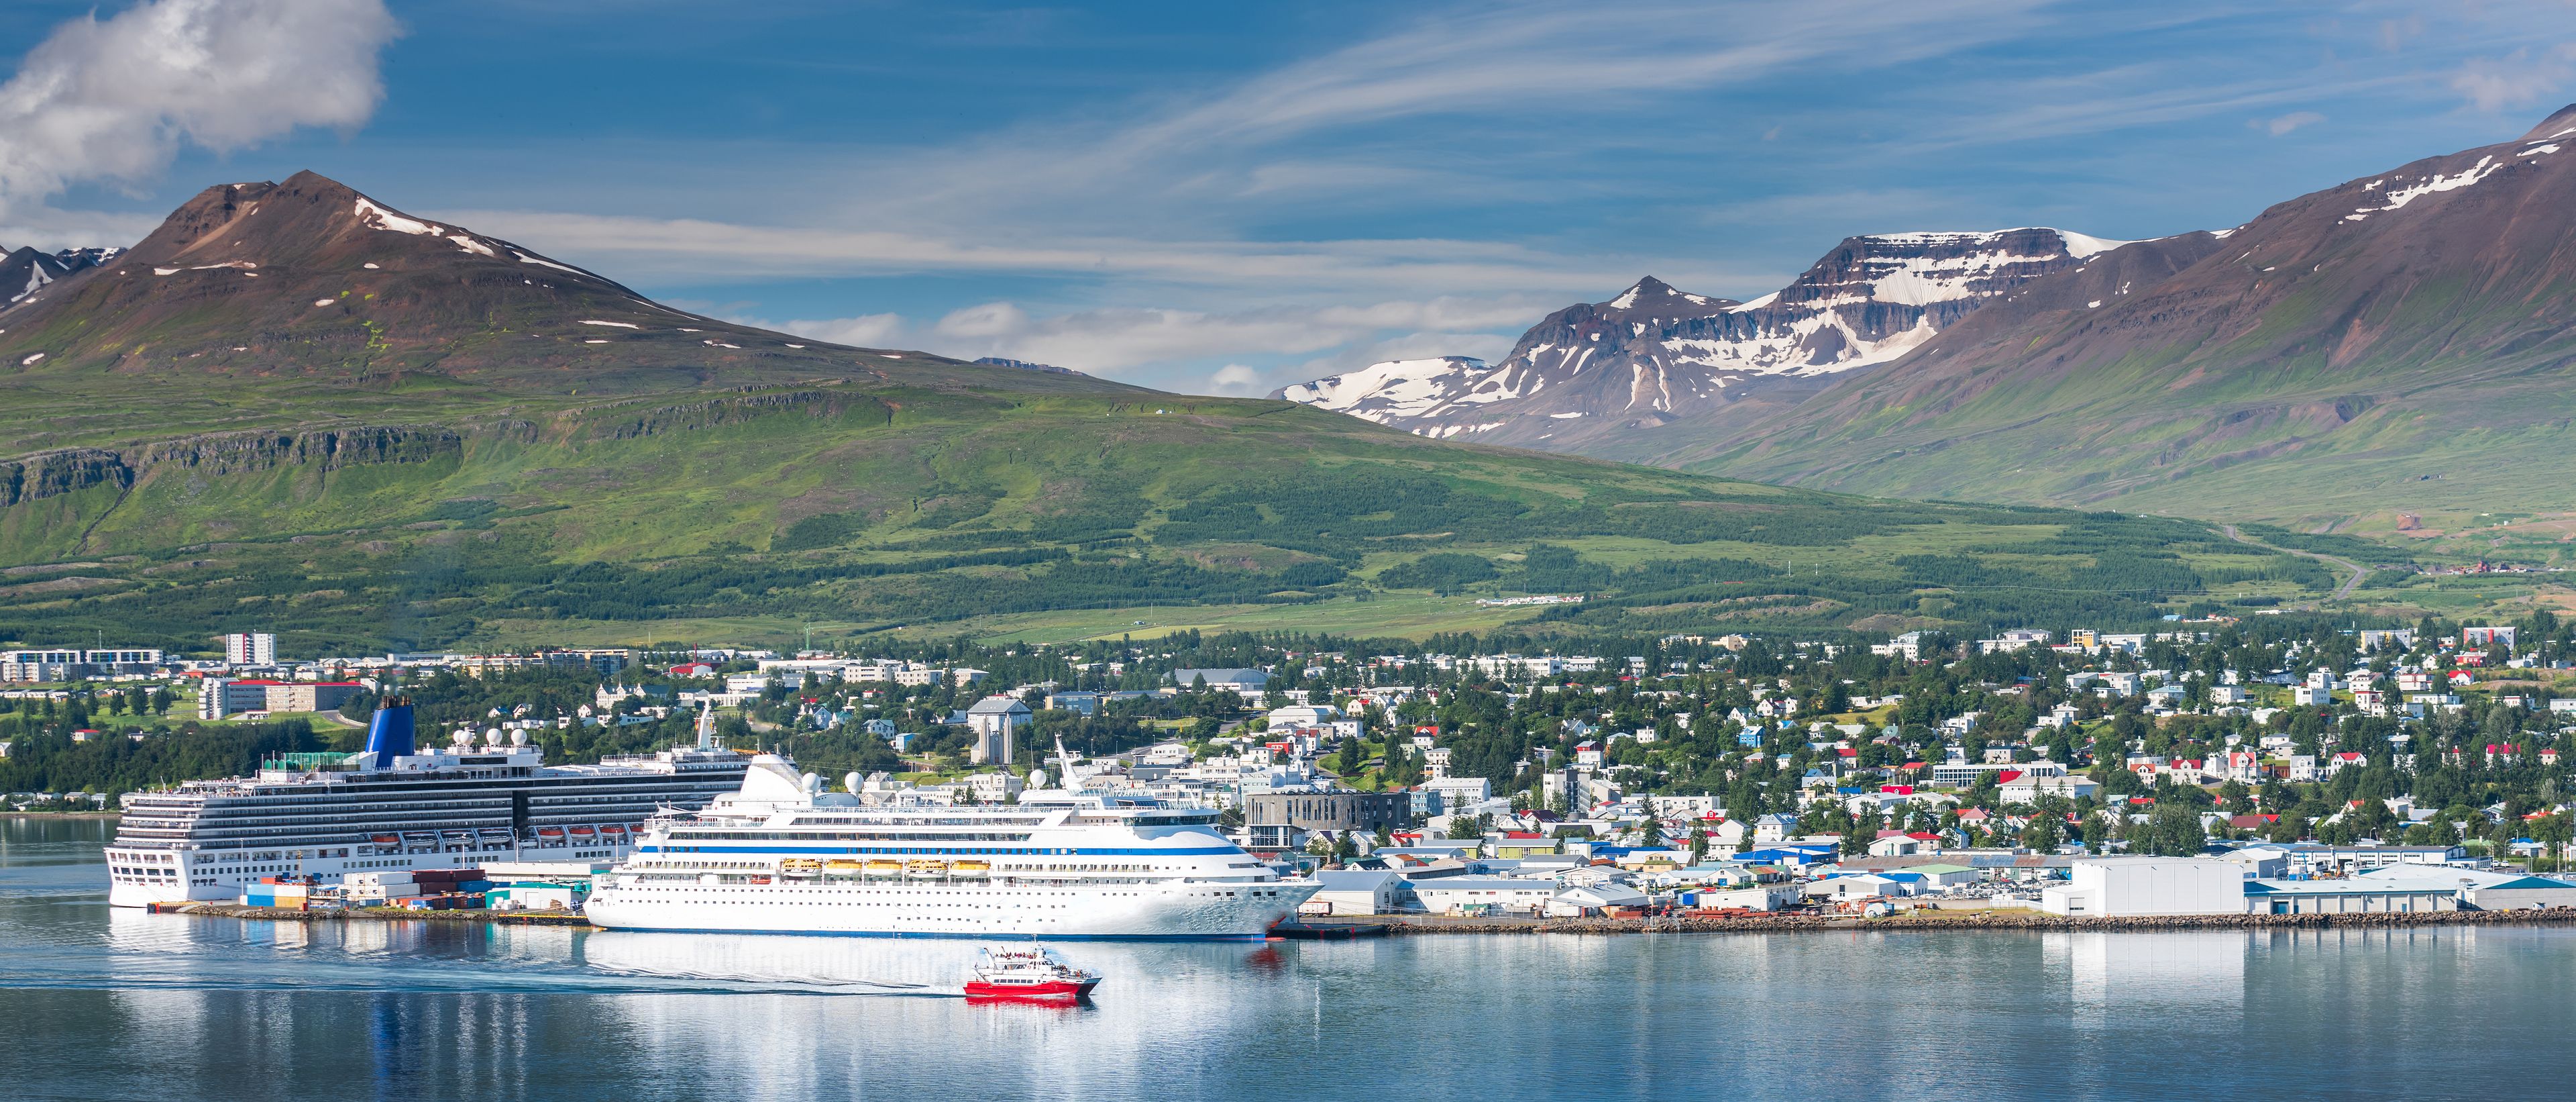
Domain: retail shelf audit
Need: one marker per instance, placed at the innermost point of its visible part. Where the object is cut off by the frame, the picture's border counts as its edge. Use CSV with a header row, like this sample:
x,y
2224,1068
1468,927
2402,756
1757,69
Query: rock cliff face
x,y
52,474
1655,367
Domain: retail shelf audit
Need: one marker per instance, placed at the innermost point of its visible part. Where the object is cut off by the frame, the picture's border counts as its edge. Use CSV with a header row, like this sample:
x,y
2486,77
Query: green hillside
x,y
444,517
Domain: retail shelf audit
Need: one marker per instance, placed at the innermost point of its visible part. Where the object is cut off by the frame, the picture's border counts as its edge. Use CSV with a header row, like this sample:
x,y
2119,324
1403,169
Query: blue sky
x,y
1227,197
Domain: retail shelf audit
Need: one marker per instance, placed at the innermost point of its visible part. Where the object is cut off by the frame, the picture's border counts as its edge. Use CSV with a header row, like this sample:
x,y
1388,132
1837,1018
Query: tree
x,y
1463,829
2175,831
2042,835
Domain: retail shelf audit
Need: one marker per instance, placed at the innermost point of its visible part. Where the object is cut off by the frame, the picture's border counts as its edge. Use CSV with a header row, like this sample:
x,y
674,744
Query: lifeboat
x,y
885,868
1028,975
925,869
551,834
971,868
842,866
800,866
584,832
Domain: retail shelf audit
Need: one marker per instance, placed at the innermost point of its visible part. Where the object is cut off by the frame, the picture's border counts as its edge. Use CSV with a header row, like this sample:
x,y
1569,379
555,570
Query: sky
x,y
1225,198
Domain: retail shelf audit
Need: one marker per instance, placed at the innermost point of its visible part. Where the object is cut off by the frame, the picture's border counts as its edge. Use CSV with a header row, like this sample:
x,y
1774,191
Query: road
x,y
2349,584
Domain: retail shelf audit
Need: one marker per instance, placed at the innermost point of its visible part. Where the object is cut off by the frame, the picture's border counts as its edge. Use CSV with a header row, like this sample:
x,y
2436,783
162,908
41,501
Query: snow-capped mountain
x,y
1655,356
25,271
1395,391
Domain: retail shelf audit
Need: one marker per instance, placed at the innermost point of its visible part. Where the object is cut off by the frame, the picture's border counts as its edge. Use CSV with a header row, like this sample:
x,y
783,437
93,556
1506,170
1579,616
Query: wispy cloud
x,y
2283,124
2518,79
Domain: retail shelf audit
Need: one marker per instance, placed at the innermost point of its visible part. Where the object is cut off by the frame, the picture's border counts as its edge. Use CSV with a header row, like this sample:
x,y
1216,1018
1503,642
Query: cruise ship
x,y
783,856
396,806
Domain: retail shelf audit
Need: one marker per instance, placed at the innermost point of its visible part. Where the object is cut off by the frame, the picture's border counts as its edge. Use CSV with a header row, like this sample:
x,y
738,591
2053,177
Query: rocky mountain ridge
x,y
1656,356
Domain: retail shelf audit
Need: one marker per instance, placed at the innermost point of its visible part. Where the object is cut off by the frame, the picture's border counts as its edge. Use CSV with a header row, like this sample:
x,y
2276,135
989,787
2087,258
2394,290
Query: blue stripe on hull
x,y
925,851
987,937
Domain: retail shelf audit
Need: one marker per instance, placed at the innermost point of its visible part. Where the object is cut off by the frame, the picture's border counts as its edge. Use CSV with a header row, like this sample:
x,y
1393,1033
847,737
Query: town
x,y
2271,765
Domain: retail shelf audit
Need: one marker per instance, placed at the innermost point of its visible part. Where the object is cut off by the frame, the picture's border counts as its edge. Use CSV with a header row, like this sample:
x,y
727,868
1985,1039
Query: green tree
x,y
2175,831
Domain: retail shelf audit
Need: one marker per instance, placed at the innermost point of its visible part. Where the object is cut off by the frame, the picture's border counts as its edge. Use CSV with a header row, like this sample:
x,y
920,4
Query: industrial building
x,y
2126,887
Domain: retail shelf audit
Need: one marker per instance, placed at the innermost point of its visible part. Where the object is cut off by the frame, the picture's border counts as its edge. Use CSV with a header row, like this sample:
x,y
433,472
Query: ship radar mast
x,y
1071,781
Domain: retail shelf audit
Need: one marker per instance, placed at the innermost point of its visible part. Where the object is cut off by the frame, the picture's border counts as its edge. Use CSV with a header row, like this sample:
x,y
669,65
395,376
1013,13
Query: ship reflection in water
x,y
122,1004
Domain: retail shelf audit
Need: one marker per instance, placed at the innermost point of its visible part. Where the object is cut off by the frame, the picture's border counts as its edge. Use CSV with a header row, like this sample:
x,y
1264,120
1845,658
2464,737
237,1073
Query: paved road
x,y
2349,584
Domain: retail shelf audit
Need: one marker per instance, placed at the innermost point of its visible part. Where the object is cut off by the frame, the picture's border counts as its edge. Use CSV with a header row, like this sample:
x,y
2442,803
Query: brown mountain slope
x,y
311,278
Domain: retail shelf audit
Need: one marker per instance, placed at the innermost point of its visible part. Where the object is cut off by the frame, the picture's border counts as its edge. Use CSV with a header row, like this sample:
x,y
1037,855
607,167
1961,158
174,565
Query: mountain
x,y
296,408
311,278
1655,372
26,271
2404,342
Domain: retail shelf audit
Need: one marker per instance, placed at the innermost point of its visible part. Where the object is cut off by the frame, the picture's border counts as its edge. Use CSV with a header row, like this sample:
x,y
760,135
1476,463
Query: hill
x,y
2401,343
295,408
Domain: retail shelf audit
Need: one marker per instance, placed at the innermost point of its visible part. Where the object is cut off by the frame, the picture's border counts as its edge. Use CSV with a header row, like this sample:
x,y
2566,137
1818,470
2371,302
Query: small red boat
x,y
1028,975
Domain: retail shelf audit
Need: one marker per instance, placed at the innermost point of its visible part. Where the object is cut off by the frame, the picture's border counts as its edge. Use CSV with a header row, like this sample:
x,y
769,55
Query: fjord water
x,y
118,1005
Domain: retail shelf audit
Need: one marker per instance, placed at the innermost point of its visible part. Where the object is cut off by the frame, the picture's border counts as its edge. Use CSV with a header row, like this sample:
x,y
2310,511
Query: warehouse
x,y
2122,887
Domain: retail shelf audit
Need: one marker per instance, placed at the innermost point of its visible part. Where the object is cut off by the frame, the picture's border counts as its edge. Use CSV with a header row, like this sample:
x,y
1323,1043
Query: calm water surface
x,y
109,1004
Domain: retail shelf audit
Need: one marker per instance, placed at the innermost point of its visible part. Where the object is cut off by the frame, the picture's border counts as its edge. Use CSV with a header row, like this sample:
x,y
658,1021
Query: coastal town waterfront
x,y
123,1003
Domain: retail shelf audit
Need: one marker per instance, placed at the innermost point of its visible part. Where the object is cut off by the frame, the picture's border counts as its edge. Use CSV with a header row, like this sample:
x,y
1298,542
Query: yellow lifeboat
x,y
884,868
842,866
971,868
800,866
925,869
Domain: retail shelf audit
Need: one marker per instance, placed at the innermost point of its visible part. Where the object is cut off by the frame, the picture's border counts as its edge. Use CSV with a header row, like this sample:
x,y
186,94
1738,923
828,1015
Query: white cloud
x,y
1236,379
2517,79
2285,123
865,331
114,100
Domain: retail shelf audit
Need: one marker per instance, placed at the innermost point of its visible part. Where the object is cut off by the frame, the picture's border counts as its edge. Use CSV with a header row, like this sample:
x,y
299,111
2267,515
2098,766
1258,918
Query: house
x,y
1774,829
1087,704
1898,843
2028,787
1354,893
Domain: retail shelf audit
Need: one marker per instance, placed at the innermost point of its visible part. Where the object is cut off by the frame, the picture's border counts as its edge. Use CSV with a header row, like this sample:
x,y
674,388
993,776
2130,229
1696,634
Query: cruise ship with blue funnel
x,y
398,806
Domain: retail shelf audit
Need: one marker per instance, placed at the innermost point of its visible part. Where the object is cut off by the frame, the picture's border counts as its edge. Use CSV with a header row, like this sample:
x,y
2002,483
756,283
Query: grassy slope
x,y
693,528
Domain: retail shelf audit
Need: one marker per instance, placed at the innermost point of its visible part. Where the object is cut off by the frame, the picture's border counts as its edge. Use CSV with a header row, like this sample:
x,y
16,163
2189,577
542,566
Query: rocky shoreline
x,y
1956,920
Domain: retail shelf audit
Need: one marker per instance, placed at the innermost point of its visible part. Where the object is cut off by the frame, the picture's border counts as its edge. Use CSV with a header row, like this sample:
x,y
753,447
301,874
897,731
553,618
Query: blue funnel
x,y
389,733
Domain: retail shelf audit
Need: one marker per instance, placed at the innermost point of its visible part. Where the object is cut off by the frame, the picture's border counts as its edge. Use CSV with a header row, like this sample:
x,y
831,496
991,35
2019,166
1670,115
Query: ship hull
x,y
1205,911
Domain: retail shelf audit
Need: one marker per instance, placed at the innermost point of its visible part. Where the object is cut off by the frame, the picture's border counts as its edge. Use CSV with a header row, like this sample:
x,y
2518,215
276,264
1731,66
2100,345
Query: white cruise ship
x,y
393,806
782,856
